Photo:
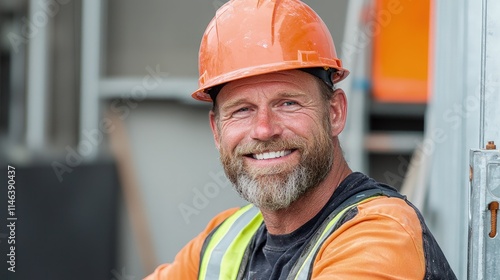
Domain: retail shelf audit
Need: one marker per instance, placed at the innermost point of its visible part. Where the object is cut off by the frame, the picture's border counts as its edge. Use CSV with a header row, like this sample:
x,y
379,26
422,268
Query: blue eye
x,y
289,103
245,109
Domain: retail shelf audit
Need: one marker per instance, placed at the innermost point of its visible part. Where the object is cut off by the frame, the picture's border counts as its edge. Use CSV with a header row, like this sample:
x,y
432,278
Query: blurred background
x,y
116,169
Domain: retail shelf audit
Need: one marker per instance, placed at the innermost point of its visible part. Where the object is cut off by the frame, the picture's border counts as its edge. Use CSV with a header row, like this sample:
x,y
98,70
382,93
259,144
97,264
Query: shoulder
x,y
386,218
186,263
391,210
383,237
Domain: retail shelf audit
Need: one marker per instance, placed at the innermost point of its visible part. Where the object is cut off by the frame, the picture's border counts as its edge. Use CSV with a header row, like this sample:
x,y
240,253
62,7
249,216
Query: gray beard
x,y
274,192
276,189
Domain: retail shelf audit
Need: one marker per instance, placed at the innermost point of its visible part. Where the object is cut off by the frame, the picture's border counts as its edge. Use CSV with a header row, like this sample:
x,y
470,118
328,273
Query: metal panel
x,y
452,124
445,133
484,240
484,260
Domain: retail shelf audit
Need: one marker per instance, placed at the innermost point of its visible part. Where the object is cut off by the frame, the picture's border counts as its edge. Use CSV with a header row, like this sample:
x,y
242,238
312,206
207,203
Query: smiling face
x,y
276,134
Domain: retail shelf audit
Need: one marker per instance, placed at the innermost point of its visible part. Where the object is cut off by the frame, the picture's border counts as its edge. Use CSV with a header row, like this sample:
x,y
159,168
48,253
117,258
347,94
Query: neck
x,y
287,220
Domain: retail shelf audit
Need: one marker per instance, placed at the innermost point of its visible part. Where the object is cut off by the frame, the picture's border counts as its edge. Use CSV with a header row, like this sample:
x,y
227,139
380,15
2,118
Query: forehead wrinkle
x,y
295,77
290,81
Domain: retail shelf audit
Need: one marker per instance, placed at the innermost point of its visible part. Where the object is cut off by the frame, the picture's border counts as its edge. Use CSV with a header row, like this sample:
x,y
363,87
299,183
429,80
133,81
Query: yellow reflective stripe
x,y
216,238
212,258
303,272
231,261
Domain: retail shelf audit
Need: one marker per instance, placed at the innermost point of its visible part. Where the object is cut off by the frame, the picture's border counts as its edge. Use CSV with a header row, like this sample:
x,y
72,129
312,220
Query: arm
x,y
383,241
186,263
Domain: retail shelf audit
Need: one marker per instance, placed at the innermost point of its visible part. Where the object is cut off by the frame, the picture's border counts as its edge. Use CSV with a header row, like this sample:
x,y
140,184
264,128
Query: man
x,y
270,67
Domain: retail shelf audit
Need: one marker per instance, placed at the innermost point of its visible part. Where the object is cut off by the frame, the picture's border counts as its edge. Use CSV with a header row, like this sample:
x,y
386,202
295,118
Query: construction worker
x,y
270,69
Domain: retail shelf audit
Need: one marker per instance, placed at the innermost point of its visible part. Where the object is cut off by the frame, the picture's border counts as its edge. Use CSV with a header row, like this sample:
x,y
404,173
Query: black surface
x,y
4,91
65,229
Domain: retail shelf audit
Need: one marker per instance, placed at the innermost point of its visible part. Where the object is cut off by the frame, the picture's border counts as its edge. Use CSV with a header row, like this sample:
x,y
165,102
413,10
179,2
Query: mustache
x,y
258,147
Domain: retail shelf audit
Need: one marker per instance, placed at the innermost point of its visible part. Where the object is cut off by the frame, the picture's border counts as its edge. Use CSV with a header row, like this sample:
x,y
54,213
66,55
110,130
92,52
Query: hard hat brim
x,y
202,95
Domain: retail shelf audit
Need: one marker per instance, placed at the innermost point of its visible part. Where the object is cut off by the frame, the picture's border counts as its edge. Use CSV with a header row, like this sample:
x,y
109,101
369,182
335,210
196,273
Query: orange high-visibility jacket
x,y
386,238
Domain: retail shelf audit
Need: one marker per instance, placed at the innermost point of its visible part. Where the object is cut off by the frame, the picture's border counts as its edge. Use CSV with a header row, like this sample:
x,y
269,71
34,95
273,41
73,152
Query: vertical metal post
x,y
490,73
483,71
353,56
90,75
38,73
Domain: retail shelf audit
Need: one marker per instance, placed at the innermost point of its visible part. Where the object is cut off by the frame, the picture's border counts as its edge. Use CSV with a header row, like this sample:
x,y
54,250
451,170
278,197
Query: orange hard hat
x,y
253,37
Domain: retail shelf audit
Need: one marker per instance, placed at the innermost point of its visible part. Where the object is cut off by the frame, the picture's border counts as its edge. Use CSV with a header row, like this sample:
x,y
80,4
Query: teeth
x,y
271,155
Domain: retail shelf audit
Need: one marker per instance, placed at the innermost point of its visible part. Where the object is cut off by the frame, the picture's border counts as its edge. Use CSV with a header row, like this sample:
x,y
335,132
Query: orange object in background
x,y
400,51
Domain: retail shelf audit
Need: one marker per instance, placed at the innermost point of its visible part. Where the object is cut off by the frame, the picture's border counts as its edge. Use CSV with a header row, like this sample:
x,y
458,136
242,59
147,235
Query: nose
x,y
265,125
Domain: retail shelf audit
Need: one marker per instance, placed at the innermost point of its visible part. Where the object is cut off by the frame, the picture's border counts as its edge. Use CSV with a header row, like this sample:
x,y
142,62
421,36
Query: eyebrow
x,y
291,94
232,104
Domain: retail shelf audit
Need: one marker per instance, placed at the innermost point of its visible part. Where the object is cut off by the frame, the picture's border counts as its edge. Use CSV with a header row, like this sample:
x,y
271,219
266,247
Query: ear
x,y
338,111
215,130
